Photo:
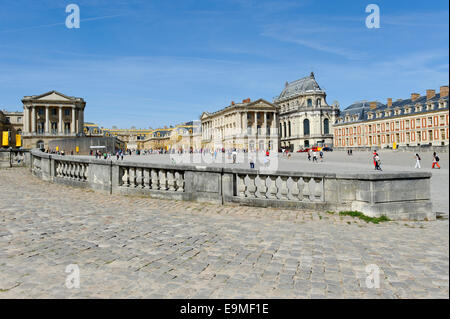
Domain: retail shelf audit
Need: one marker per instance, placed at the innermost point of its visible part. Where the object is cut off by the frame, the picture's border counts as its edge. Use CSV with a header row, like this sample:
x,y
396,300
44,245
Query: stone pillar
x,y
274,124
245,123
47,120
264,128
60,121
255,124
26,117
33,119
72,124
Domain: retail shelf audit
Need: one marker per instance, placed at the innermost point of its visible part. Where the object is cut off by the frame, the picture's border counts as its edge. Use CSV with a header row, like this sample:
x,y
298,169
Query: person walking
x,y
435,161
309,155
321,156
377,162
315,157
252,161
418,159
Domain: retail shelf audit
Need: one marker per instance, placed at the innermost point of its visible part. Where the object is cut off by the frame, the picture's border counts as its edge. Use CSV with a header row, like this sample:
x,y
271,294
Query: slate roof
x,y
362,109
303,85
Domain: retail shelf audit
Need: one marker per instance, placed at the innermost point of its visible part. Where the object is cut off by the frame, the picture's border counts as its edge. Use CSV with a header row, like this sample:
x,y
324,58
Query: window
x,y
53,111
41,111
430,120
66,112
309,102
289,124
326,126
19,119
305,127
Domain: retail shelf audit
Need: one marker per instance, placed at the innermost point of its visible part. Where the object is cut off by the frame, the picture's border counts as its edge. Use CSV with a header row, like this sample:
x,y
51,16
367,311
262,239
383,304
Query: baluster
x,y
273,189
125,177
241,188
132,173
180,182
146,179
306,189
86,170
294,188
72,171
262,188
318,189
66,170
77,171
81,173
162,180
251,187
170,181
155,180
139,179
283,189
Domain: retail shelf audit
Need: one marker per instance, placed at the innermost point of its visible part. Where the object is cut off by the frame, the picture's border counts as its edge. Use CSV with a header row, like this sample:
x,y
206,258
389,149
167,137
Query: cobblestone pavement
x,y
146,248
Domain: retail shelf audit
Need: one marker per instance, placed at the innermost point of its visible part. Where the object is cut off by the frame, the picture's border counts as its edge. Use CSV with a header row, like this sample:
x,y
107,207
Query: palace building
x,y
51,116
11,125
417,121
246,126
306,119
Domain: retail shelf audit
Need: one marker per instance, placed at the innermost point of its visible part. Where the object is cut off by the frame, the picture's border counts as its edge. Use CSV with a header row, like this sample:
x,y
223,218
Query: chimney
x,y
431,94
246,100
444,91
389,102
232,102
414,96
373,105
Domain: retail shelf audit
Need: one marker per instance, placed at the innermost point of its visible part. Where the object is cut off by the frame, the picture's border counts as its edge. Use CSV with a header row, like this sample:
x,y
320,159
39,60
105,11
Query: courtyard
x,y
137,247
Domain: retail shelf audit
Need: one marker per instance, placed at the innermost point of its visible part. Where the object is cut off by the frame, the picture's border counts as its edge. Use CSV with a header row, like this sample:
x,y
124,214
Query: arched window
x,y
326,126
281,130
309,102
306,127
284,130
289,124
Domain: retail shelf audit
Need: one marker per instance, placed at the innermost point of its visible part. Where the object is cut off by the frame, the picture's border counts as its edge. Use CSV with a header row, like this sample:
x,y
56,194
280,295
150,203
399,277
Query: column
x,y
245,123
33,119
72,125
26,119
274,124
255,124
47,120
60,121
264,129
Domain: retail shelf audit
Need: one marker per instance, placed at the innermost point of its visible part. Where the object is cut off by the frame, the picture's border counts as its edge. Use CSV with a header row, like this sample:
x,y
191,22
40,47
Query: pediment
x,y
53,96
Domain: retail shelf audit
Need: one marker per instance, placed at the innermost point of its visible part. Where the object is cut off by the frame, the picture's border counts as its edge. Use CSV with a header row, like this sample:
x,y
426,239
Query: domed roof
x,y
302,85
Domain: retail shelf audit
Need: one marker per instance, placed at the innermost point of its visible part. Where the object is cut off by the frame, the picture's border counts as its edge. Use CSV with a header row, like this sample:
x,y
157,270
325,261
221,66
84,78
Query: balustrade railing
x,y
291,188
72,170
152,178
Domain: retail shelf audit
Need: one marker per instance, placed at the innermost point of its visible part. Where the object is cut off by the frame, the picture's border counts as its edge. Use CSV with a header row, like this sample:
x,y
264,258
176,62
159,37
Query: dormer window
x,y
388,113
430,107
370,116
418,108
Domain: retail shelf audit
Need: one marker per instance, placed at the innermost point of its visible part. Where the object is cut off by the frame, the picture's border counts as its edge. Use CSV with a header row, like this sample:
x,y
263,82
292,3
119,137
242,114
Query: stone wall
x,y
399,196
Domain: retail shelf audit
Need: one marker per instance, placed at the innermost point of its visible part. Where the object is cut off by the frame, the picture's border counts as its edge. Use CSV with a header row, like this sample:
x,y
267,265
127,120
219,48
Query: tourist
x,y
321,155
377,160
251,160
234,154
374,161
418,159
309,155
315,157
435,161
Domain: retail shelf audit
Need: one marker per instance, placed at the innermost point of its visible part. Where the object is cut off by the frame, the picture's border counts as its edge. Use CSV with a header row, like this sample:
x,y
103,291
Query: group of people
x,y
435,163
314,156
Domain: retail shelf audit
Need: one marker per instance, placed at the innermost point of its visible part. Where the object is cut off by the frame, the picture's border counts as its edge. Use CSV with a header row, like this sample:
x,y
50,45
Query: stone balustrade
x,y
403,195
14,158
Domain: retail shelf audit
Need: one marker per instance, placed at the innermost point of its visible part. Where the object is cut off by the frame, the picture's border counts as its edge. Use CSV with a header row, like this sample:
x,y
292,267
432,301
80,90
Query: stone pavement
x,y
128,247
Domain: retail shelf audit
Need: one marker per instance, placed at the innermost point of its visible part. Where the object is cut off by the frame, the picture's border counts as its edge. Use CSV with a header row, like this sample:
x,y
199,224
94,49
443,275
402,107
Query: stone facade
x,y
418,121
249,126
306,119
11,122
50,116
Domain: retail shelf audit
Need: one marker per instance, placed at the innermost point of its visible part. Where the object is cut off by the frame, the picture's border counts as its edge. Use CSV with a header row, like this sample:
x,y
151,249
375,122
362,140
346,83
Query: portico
x,y
51,115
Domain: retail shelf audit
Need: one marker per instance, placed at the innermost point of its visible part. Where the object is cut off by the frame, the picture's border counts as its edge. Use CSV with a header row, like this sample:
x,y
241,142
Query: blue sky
x,y
149,63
